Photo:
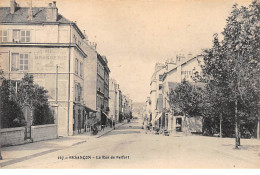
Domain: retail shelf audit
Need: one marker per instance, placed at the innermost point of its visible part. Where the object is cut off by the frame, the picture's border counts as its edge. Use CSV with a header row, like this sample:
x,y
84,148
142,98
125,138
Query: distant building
x,y
156,91
120,105
165,78
184,70
113,93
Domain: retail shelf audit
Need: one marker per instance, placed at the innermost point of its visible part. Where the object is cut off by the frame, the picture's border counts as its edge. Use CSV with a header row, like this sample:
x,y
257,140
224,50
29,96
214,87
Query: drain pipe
x,y
68,122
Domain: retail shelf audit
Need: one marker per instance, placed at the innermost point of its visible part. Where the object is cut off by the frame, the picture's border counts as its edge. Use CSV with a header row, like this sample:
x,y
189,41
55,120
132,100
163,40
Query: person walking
x,y
114,123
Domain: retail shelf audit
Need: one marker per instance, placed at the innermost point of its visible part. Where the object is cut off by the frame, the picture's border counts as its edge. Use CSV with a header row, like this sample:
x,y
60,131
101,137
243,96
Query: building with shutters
x,y
41,42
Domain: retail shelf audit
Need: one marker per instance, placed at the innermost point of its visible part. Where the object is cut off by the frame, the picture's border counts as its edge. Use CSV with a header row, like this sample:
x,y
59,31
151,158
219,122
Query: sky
x,y
135,34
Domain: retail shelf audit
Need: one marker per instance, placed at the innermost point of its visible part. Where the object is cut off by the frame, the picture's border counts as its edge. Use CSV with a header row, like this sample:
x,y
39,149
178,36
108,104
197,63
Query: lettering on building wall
x,y
47,59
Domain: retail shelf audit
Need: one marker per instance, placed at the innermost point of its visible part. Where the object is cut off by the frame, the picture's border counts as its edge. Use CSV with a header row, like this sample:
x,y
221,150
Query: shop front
x,y
90,118
81,118
78,119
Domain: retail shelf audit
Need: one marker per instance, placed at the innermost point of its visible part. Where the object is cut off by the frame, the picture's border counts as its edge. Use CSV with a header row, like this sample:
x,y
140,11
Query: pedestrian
x,y
114,123
102,127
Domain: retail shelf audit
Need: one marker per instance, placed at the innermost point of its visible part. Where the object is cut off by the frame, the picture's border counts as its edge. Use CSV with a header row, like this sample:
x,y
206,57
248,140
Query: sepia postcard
x,y
129,84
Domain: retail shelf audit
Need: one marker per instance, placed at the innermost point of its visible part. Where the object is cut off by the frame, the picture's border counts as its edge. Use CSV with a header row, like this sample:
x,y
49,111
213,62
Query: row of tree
x,y
229,101
16,95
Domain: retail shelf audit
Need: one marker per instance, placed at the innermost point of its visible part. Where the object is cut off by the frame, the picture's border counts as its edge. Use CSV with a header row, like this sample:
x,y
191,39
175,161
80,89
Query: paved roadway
x,y
130,147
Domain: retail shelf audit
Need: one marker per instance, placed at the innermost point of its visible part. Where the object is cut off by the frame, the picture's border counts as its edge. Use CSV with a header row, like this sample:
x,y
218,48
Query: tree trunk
x,y
220,126
203,119
239,133
236,127
1,158
258,127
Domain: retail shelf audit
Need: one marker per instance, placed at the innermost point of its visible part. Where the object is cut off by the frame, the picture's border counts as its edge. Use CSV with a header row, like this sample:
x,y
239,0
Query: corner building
x,y
41,42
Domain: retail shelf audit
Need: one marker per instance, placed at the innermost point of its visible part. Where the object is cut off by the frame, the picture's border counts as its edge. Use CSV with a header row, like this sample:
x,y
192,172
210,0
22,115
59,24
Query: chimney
x,y
158,66
54,3
85,35
13,6
93,45
189,56
30,12
52,12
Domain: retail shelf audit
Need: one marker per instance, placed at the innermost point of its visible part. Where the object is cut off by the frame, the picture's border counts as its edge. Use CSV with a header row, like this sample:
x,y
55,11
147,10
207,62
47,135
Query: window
x,y
23,61
75,39
21,36
76,66
160,86
16,35
20,62
15,62
75,91
81,69
78,92
3,35
25,36
160,77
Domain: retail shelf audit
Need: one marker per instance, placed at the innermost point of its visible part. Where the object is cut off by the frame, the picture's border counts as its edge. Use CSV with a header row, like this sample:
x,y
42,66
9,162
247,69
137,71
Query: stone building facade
x,y
58,55
165,78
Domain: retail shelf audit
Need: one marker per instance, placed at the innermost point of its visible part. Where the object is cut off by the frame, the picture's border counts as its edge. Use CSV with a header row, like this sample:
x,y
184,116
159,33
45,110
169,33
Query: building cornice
x,y
48,45
46,23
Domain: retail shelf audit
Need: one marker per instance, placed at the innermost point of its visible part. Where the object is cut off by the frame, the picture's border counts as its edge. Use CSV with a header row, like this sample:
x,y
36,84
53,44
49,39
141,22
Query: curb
x,y
78,143
108,131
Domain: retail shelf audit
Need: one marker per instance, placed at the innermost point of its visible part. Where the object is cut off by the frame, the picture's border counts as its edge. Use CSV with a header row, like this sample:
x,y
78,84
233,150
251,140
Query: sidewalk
x,y
249,150
14,154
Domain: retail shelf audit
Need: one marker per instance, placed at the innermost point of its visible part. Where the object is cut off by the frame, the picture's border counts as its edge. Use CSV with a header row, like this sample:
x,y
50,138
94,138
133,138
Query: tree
x,y
232,68
215,75
11,111
30,93
241,47
187,99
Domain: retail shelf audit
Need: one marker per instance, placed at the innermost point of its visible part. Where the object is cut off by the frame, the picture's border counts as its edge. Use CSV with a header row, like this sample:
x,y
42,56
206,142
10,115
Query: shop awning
x,y
158,116
105,114
153,121
89,109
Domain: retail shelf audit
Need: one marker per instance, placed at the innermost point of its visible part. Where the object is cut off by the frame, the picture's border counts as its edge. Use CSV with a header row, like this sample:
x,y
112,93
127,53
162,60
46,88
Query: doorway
x,y
178,124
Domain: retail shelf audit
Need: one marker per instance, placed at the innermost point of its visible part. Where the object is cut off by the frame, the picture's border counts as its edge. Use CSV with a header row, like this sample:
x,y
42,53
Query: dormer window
x,y
23,36
16,36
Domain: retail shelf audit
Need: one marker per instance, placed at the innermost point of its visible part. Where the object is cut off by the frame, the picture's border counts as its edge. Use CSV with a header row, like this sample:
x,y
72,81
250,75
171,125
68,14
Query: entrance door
x,y
79,121
160,122
74,122
178,124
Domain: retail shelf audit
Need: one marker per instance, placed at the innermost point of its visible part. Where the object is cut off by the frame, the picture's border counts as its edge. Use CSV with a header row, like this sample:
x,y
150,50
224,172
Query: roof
x,y
184,62
21,16
155,72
